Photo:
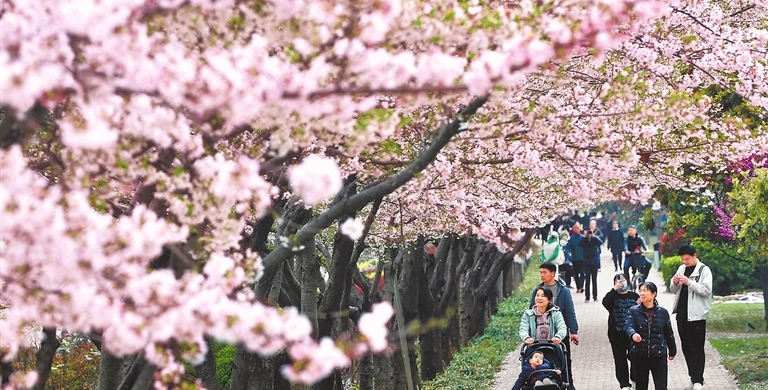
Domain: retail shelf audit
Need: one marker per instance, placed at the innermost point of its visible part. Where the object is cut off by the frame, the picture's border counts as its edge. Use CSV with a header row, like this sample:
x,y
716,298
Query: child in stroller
x,y
540,367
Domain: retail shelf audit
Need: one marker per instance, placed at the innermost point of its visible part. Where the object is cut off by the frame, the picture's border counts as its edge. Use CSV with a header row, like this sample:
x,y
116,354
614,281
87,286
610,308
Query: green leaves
x,y
750,201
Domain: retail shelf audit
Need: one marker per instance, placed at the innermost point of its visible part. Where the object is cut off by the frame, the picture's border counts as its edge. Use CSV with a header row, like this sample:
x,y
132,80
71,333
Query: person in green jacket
x,y
543,321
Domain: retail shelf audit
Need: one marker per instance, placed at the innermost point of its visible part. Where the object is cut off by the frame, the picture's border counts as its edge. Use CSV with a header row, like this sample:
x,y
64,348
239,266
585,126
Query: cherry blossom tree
x,y
148,130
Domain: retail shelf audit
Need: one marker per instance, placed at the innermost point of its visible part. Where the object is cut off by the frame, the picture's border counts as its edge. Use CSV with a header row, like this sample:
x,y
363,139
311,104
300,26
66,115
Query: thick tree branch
x,y
45,356
356,202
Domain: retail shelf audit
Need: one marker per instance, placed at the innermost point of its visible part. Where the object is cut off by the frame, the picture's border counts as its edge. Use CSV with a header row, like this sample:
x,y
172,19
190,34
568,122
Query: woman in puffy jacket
x,y
651,331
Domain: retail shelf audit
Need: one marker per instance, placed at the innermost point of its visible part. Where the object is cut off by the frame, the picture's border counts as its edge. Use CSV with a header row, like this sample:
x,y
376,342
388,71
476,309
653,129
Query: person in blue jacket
x,y
615,242
590,244
650,328
536,362
575,254
561,297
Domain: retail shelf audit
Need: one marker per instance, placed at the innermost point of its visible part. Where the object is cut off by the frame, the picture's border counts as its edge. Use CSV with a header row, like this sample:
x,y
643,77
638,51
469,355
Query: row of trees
x,y
167,164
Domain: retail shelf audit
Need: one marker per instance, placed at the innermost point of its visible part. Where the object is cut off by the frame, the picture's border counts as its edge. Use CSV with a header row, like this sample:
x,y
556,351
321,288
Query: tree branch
x,y
355,202
45,356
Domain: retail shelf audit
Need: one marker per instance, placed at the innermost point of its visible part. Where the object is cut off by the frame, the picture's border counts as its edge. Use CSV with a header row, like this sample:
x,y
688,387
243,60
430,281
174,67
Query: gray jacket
x,y
699,291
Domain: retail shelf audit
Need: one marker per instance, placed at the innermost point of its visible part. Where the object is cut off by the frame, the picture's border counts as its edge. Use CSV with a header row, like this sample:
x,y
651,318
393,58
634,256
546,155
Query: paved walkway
x,y
592,358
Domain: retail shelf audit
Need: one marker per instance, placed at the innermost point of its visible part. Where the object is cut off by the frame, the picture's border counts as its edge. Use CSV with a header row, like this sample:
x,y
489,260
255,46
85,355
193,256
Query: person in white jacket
x,y
692,286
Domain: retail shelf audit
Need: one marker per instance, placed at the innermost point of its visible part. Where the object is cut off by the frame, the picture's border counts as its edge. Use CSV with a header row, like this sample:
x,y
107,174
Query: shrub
x,y
671,243
669,266
729,273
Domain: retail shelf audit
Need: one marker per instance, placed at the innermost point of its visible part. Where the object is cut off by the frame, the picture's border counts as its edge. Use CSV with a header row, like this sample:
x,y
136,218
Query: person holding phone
x,y
617,301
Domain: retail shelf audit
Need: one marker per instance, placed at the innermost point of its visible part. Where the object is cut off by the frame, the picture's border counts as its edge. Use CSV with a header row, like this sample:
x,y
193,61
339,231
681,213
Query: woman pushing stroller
x,y
542,322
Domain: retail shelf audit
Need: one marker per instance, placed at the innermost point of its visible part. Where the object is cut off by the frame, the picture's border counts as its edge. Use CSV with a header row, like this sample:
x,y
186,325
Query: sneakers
x,y
545,381
595,299
698,386
626,388
586,300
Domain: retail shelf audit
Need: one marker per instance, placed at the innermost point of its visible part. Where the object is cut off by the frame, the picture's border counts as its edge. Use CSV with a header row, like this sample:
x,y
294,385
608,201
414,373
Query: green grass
x,y
732,317
746,358
475,366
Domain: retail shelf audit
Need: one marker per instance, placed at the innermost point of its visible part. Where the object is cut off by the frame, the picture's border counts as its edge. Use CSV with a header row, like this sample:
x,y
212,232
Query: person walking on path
x,y
575,252
561,297
592,363
650,328
544,321
692,286
597,232
591,247
632,243
617,301
615,243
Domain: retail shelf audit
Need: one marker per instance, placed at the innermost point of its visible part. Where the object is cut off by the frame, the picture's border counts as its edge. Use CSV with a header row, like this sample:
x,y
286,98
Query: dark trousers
x,y
617,260
657,366
577,273
590,274
620,344
566,271
692,335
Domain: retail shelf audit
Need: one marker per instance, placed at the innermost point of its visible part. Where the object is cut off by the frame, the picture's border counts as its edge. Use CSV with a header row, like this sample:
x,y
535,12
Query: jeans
x,y
657,366
627,264
692,335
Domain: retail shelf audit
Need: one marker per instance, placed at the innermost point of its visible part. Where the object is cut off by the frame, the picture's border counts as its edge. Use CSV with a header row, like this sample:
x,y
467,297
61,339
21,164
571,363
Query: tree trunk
x,y
146,378
45,356
310,276
429,335
6,370
136,377
367,373
265,373
110,371
241,368
206,371
384,378
410,278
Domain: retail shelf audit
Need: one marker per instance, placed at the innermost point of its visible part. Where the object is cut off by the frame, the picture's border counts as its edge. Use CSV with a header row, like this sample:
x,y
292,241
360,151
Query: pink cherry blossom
x,y
352,228
315,179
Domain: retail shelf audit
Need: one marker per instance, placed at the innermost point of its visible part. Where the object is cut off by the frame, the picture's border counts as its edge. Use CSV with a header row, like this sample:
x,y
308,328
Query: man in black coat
x,y
615,241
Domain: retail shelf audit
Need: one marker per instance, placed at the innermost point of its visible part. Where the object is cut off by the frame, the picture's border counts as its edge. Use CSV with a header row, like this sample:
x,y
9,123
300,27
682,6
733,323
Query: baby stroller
x,y
556,355
641,267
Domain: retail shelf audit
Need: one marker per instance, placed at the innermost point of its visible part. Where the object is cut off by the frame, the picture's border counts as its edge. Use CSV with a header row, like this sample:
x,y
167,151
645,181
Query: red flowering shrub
x,y
670,244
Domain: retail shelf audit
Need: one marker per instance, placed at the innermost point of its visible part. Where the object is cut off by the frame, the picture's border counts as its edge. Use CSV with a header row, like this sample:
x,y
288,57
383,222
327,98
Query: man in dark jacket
x,y
632,244
561,297
618,301
615,241
591,246
575,253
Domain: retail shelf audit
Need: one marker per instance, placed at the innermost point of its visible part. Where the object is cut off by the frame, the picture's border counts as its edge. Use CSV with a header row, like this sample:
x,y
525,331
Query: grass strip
x,y
745,355
746,358
475,366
